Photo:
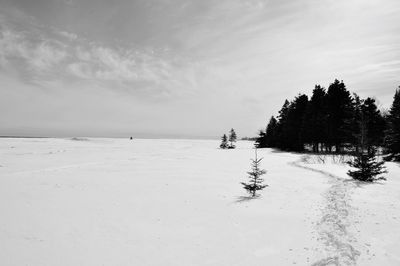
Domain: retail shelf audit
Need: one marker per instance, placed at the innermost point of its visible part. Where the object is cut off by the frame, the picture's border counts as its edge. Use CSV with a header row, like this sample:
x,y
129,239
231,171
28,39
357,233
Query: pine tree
x,y
392,139
232,139
375,122
270,133
314,129
261,140
268,139
289,129
255,182
283,125
224,142
279,130
340,114
294,126
367,167
357,114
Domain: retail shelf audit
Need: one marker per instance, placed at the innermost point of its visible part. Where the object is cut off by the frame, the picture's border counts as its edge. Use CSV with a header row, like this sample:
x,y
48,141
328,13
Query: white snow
x,y
179,202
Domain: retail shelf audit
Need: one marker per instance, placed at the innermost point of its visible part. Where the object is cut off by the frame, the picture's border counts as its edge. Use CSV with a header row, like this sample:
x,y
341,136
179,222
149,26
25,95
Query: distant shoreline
x,y
182,138
24,137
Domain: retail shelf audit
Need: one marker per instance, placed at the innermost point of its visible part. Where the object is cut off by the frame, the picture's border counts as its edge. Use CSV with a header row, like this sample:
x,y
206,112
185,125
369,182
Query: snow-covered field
x,y
179,202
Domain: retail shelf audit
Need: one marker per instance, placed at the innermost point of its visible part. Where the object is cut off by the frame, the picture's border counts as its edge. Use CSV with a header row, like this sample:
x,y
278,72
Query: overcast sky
x,y
162,68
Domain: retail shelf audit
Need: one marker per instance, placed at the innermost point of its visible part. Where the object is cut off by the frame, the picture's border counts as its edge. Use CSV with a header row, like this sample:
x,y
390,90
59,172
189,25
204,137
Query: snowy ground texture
x,y
179,202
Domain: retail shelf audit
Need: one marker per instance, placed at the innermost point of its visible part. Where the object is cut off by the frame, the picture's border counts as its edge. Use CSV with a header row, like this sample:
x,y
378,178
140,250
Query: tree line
x,y
333,121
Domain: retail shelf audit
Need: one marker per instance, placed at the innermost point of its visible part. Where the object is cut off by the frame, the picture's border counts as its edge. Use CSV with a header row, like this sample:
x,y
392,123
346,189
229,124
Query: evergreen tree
x,y
282,121
232,138
261,140
286,133
367,167
314,129
268,139
375,123
340,114
392,139
293,126
224,142
356,120
255,182
270,133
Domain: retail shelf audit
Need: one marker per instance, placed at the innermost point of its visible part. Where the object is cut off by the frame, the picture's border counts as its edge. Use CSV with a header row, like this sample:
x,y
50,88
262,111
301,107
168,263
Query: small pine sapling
x,y
232,139
367,167
255,182
224,142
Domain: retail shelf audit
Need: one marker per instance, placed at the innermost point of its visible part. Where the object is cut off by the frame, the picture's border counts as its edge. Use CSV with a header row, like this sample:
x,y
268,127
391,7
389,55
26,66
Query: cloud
x,y
258,4
68,35
44,58
38,56
80,70
46,55
10,45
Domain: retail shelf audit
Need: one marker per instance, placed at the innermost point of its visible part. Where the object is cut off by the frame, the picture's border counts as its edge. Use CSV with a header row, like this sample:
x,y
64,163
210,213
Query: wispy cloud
x,y
46,55
68,35
99,62
77,59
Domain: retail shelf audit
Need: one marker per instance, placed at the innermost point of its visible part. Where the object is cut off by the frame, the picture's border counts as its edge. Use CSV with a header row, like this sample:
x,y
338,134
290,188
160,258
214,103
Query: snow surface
x,y
179,202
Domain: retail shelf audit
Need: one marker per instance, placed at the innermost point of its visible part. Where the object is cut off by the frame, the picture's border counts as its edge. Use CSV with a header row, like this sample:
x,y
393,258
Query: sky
x,y
184,68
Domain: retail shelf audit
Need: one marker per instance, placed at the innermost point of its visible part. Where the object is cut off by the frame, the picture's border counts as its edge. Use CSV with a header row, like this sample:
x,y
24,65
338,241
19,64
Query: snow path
x,y
335,219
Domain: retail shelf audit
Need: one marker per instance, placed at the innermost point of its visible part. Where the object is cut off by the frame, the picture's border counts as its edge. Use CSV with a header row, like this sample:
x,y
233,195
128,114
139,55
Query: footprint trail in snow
x,y
332,228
